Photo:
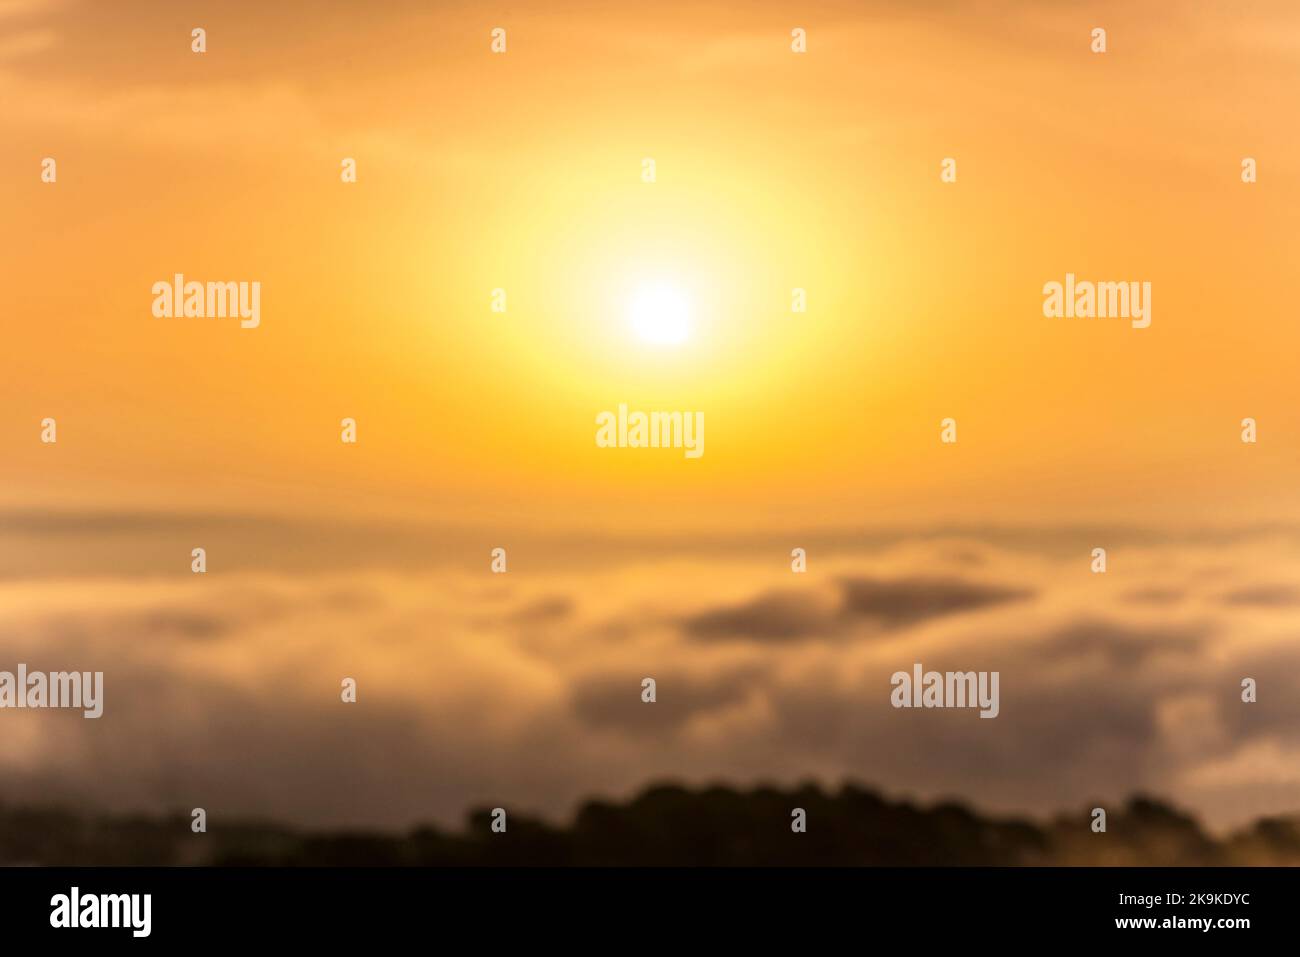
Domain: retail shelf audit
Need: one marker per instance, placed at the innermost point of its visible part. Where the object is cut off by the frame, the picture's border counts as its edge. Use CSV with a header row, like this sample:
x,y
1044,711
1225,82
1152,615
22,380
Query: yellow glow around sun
x,y
660,313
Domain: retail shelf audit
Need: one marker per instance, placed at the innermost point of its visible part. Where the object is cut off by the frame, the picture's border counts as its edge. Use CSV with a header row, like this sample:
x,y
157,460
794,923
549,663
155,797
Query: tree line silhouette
x,y
667,825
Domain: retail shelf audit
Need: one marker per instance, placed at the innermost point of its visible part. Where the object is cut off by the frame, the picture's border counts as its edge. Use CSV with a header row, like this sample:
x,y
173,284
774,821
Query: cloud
x,y
16,9
1267,596
222,690
897,603
550,609
787,615
1156,596
1120,645
774,615
615,700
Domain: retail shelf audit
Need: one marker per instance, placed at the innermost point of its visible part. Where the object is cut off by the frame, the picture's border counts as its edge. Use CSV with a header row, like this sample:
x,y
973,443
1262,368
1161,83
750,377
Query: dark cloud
x,y
614,701
790,615
905,602
1276,715
1264,596
774,615
1121,645
547,610
180,623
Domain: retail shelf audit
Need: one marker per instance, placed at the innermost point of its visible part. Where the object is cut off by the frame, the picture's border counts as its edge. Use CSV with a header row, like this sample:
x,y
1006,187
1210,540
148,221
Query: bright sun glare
x,y
660,313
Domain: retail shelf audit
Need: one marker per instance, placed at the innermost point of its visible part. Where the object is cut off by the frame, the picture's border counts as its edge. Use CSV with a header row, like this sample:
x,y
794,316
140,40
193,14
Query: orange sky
x,y
775,170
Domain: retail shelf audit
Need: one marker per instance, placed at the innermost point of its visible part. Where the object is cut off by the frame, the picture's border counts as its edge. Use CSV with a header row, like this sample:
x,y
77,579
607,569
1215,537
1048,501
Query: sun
x,y
660,313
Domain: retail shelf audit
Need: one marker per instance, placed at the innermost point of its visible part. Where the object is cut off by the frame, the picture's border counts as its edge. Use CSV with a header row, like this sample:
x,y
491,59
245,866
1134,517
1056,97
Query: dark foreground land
x,y
667,825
